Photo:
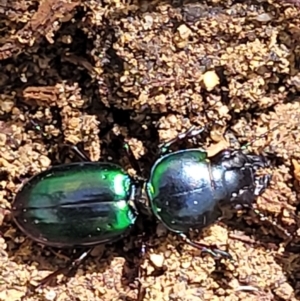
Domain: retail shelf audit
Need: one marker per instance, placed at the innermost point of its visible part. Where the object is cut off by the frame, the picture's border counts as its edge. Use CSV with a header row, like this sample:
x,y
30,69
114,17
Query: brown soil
x,y
98,73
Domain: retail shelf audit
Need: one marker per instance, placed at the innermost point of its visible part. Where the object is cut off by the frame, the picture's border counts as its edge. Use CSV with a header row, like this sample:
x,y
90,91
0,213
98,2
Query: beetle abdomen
x,y
76,204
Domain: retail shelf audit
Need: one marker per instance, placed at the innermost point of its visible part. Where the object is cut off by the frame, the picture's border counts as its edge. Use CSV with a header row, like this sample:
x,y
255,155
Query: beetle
x,y
77,205
187,190
89,203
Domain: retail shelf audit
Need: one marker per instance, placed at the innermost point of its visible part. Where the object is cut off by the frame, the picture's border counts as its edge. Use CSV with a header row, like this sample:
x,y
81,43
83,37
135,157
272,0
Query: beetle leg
x,y
258,161
261,184
213,251
190,133
66,270
132,160
78,152
141,290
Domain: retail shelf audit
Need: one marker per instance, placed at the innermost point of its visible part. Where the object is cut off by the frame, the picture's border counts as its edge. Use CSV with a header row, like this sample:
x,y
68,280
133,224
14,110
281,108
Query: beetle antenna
x,y
212,250
134,162
38,128
263,218
245,146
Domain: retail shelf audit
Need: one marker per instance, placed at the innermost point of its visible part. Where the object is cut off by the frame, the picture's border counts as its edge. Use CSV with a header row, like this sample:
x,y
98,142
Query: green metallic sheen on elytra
x,y
78,204
166,162
174,178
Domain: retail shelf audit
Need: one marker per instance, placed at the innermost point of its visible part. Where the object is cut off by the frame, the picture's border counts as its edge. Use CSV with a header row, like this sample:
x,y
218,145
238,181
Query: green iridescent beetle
x,y
91,203
76,205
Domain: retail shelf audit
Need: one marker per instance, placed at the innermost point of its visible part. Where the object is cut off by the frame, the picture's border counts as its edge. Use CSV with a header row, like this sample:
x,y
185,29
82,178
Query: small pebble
x,y
184,32
50,295
185,264
157,260
264,17
210,80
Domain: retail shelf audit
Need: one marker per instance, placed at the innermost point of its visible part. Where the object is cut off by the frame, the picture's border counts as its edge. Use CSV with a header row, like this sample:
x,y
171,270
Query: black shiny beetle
x,y
187,190
90,203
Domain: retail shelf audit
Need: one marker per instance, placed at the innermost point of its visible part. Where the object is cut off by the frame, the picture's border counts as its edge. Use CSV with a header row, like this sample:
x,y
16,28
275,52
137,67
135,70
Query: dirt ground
x,y
97,74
